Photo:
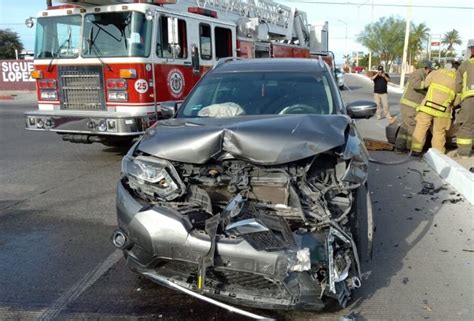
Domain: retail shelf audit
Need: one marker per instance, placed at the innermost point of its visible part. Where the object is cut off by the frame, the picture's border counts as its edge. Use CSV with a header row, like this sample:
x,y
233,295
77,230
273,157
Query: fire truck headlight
x,y
111,124
117,96
49,95
102,127
40,123
31,121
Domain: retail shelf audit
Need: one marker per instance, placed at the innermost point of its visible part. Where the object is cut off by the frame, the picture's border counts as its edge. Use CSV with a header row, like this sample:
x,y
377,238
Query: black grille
x,y
241,279
219,278
267,241
81,87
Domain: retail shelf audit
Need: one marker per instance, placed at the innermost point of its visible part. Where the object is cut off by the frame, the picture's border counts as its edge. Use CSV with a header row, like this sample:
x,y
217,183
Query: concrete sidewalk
x,y
454,171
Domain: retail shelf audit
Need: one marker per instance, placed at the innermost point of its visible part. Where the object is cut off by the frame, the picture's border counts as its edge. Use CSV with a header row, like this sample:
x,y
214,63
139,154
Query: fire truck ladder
x,y
283,23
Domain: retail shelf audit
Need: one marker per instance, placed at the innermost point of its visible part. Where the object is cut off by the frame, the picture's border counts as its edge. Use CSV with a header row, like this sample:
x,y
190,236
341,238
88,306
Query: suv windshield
x,y
262,93
58,37
116,34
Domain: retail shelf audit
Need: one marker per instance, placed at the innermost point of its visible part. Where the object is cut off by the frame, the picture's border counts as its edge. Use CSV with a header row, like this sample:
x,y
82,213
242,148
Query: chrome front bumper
x,y
88,123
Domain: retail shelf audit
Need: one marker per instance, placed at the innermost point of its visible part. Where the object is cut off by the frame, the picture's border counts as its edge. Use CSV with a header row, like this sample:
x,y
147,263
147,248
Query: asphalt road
x,y
57,213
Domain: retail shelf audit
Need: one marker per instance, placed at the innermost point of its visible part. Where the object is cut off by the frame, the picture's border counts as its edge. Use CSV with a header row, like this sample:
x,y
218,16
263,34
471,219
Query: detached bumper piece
x,y
244,255
88,123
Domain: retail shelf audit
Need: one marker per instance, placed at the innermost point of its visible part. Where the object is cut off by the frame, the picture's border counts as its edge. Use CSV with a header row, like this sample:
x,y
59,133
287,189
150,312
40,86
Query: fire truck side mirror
x,y
168,109
29,23
195,59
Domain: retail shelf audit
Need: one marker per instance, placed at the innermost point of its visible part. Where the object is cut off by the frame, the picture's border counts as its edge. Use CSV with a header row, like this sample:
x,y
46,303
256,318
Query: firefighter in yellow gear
x,y
411,99
436,109
465,89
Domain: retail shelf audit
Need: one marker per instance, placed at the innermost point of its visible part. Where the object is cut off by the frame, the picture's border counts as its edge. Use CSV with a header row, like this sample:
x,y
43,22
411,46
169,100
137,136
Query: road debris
x,y
452,200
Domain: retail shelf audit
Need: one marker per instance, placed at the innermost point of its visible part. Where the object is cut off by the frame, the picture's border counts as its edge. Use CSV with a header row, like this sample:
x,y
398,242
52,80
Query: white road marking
x,y
53,311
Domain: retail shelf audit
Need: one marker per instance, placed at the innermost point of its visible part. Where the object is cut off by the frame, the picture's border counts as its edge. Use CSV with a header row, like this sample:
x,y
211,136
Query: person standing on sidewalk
x,y
436,110
411,99
465,88
380,93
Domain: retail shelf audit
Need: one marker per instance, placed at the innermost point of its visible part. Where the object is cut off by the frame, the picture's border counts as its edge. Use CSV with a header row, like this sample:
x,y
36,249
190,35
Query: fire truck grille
x,y
81,87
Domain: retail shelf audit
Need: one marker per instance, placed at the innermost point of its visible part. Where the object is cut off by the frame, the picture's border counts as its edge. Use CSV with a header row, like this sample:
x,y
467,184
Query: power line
x,y
381,5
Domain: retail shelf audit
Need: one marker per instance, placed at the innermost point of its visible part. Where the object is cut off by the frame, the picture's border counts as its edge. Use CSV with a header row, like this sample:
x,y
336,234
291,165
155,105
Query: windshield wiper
x,y
56,53
93,47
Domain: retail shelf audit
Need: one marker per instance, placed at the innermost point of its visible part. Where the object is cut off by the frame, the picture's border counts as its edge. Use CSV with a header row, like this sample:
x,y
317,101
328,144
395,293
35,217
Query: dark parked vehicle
x,y
339,78
255,192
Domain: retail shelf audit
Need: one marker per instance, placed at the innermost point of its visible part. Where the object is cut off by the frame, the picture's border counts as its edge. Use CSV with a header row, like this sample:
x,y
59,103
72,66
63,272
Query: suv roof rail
x,y
224,60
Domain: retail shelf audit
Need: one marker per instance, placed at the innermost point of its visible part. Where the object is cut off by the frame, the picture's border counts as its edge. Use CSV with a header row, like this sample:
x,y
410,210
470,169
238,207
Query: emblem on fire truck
x,y
176,82
141,86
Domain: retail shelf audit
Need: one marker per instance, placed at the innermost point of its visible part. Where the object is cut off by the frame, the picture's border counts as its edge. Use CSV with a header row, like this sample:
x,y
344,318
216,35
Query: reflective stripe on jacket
x,y
411,97
465,79
441,93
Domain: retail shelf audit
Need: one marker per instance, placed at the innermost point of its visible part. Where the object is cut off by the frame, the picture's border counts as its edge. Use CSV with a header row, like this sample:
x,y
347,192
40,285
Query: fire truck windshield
x,y
116,34
58,37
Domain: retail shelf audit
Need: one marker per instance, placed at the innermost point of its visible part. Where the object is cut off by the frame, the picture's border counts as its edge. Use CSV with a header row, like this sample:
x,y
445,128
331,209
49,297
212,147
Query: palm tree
x,y
347,63
420,33
450,39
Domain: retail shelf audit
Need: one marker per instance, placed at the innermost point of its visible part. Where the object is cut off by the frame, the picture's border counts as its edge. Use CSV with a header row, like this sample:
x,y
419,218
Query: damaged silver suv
x,y
253,193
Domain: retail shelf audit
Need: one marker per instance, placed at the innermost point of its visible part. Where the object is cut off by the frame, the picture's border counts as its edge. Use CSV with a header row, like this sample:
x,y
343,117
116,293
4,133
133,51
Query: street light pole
x,y
371,21
345,45
405,46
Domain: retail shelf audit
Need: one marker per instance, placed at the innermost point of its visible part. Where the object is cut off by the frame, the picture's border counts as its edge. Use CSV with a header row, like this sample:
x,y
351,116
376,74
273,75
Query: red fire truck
x,y
104,69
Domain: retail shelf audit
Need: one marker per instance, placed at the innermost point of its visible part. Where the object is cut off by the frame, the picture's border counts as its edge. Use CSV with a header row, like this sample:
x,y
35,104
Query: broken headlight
x,y
153,177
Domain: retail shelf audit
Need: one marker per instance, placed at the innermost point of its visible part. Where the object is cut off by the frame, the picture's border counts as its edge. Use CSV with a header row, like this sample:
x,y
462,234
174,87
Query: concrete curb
x,y
453,173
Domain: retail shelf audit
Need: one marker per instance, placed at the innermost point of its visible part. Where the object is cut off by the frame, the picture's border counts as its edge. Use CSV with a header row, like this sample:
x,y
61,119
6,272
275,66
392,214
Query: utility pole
x,y
405,46
371,21
345,44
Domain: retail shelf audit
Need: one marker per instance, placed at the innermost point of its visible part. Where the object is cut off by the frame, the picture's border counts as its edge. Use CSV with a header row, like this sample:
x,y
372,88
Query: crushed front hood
x,y
269,139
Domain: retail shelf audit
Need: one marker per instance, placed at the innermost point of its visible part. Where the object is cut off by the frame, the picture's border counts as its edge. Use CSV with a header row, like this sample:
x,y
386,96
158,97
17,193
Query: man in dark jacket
x,y
380,93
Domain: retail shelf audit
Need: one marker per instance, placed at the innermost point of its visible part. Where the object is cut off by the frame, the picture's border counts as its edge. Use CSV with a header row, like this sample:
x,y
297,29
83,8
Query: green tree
x,y
364,61
384,38
419,34
9,41
450,39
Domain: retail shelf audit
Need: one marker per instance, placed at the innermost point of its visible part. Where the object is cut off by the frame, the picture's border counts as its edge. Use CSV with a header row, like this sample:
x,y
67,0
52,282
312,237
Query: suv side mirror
x,y
195,59
361,109
168,109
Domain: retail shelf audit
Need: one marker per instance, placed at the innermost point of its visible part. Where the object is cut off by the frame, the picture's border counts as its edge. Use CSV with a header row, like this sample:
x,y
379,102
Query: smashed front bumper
x,y
161,244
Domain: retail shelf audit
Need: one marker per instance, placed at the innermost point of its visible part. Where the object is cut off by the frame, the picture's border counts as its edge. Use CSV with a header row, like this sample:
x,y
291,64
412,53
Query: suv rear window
x,y
260,93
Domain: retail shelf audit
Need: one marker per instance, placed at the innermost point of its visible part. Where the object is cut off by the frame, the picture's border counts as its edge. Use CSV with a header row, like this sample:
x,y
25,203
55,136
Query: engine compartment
x,y
302,214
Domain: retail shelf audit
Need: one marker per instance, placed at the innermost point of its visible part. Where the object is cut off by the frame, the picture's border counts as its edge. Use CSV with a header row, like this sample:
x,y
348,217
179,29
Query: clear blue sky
x,y
13,14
